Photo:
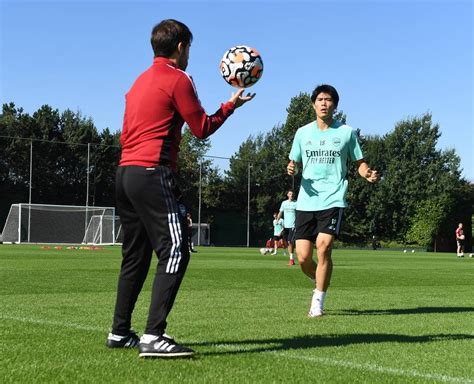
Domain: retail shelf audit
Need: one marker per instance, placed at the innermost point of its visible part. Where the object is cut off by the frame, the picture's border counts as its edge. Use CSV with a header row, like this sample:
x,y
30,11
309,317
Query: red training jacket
x,y
159,102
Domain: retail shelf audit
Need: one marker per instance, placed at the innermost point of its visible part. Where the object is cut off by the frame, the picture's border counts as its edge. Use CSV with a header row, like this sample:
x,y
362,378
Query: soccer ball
x,y
264,251
404,251
241,66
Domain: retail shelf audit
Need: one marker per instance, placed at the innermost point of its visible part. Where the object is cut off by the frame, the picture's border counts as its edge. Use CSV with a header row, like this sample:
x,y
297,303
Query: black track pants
x,y
153,219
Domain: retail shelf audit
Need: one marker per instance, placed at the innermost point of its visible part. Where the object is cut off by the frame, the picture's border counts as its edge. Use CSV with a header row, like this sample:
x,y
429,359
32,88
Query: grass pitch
x,y
392,317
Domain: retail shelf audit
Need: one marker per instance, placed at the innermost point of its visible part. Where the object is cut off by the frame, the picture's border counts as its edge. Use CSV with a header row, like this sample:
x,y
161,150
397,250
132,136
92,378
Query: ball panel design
x,y
241,66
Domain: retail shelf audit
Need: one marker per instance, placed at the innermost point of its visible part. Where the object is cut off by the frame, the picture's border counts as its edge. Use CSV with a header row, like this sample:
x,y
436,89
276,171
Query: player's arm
x,y
190,108
295,156
364,171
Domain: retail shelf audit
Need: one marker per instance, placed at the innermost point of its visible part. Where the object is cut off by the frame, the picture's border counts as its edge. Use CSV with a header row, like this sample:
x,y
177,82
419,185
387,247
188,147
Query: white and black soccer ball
x,y
241,66
264,251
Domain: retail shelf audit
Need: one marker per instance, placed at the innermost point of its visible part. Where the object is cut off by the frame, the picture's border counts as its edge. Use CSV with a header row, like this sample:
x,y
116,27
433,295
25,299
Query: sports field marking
x,y
376,368
358,366
52,322
279,354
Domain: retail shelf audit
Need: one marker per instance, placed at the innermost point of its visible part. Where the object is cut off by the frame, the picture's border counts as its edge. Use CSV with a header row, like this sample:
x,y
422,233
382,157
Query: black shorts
x,y
276,237
310,223
289,235
460,242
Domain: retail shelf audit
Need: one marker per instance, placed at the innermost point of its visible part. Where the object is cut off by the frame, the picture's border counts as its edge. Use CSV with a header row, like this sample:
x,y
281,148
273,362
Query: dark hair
x,y
166,36
325,88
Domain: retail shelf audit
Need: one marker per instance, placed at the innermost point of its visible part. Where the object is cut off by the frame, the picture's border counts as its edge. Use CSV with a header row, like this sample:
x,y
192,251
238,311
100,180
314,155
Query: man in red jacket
x,y
148,198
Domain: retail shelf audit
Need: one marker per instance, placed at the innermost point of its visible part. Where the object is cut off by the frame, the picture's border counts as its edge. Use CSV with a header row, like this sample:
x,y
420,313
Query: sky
x,y
389,60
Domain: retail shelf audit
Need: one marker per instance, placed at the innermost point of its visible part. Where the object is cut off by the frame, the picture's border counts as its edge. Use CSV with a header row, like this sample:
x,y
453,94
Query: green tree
x,y
427,220
193,165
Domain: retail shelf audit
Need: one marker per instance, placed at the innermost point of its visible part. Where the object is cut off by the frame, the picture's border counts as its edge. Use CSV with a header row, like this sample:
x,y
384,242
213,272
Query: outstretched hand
x,y
239,99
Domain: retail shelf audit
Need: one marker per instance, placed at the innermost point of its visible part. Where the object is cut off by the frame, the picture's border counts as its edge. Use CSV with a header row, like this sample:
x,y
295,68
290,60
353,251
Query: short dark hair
x,y
325,88
166,36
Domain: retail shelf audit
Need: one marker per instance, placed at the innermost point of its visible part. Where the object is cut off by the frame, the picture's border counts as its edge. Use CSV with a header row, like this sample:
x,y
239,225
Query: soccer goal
x,y
60,224
103,229
201,235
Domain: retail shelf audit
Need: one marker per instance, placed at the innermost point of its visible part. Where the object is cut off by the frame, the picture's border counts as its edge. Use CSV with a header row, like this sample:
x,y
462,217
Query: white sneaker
x,y
274,253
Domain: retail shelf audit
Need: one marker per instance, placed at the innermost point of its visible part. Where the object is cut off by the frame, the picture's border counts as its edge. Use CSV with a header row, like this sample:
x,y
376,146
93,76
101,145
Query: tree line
x,y
419,200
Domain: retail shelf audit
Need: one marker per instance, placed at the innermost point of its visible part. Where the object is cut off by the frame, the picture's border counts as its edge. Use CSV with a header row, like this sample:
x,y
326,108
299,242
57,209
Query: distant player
x,y
460,240
323,148
189,220
288,211
278,228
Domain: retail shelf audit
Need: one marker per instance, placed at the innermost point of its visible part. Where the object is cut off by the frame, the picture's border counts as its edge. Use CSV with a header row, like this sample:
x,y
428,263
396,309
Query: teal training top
x,y
277,227
324,156
289,213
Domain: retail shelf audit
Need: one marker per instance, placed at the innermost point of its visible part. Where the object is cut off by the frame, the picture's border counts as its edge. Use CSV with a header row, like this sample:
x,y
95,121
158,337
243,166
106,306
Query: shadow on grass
x,y
402,311
235,347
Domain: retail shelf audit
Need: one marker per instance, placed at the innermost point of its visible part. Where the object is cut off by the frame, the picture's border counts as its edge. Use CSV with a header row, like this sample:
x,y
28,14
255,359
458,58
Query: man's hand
x,y
239,99
291,168
371,175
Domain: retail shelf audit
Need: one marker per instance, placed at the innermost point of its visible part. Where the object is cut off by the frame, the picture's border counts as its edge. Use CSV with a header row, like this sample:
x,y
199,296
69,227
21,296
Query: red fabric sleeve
x,y
189,107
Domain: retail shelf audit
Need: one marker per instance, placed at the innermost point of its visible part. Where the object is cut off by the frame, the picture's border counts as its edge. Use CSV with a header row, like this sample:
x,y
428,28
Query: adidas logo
x,y
163,345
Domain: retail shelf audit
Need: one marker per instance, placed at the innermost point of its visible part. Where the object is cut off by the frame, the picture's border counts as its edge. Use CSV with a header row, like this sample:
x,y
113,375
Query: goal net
x,y
103,229
60,224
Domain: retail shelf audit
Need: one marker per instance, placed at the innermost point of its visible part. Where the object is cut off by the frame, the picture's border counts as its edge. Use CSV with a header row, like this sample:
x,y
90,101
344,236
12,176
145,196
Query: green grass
x,y
391,318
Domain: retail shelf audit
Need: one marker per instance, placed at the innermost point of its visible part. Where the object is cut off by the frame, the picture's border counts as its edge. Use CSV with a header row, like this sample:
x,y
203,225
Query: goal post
x,y
59,224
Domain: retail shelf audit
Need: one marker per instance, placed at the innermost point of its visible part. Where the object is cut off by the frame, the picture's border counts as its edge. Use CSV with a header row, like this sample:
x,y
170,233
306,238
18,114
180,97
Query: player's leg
x,y
291,243
305,257
304,235
324,243
328,227
275,244
323,274
136,258
165,220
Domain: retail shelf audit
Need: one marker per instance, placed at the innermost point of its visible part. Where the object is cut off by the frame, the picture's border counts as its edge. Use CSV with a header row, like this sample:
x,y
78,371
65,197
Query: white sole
x,y
166,355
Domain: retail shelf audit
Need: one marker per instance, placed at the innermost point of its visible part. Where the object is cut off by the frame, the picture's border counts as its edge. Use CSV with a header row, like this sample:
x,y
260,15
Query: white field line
x,y
287,355
63,324
378,369
359,366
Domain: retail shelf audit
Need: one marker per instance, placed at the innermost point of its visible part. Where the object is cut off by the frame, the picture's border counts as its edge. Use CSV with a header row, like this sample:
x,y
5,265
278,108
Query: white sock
x,y
147,338
318,298
291,256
